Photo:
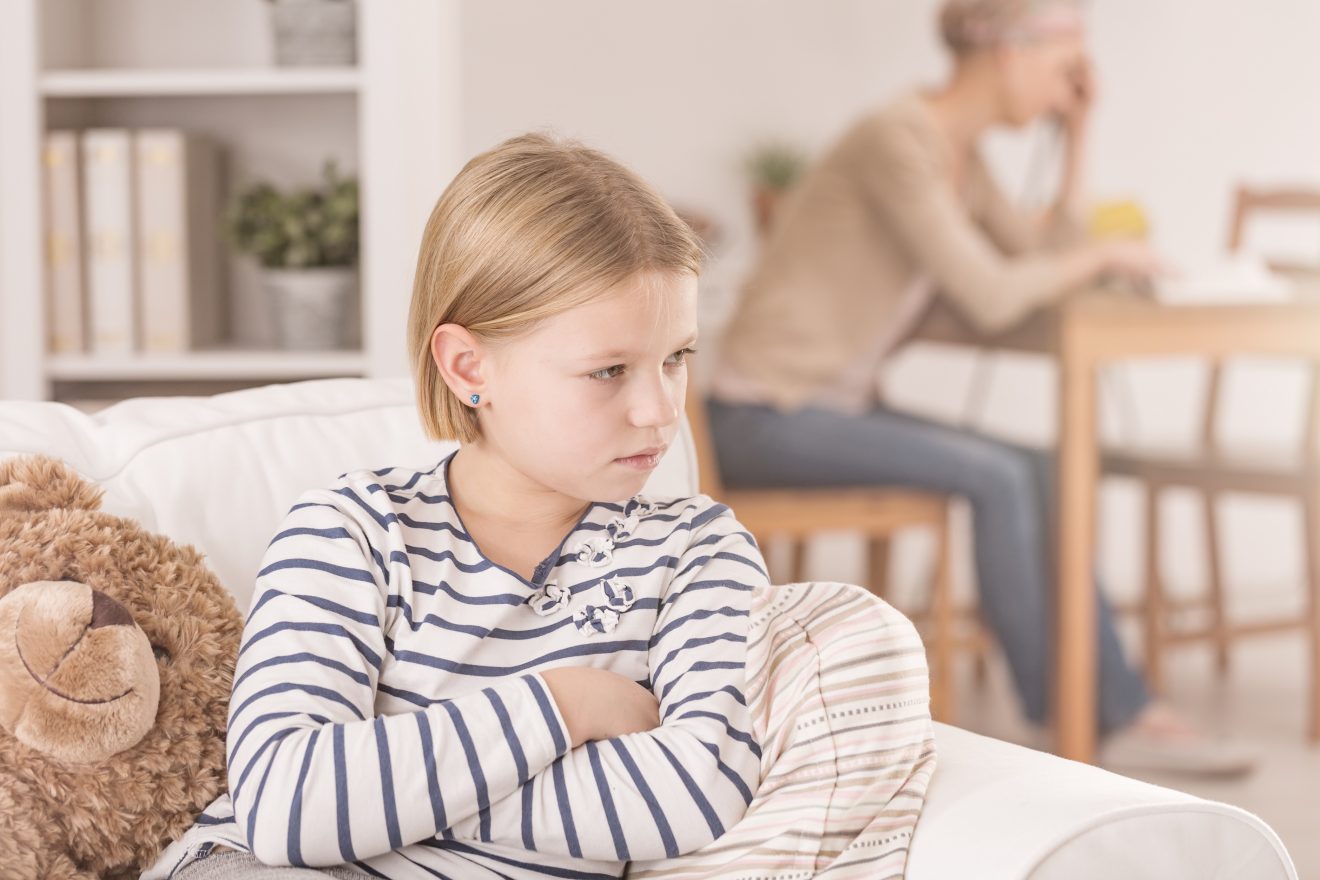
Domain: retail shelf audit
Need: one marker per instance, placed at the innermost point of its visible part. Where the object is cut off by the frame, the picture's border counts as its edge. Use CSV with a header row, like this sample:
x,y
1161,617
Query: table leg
x,y
1075,672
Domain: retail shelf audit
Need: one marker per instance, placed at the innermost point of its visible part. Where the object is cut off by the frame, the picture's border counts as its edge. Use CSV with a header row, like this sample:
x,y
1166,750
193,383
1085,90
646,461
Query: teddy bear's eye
x,y
161,653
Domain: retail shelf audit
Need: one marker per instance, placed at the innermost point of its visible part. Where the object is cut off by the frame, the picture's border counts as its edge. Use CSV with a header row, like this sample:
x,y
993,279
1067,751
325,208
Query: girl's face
x,y
586,403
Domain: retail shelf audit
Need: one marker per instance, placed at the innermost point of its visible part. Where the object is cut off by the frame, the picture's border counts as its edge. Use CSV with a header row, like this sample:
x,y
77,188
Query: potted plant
x,y
773,168
314,32
306,242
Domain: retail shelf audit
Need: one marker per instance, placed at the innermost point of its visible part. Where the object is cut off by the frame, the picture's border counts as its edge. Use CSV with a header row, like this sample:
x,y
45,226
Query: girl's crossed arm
x,y
315,777
678,787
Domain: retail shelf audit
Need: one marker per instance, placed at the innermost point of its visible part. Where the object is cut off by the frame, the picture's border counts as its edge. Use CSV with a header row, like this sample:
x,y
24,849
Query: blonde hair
x,y
968,25
530,229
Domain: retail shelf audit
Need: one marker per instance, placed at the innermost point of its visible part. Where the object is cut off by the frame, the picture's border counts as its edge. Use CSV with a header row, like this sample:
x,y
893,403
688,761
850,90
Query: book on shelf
x,y
177,203
108,203
63,243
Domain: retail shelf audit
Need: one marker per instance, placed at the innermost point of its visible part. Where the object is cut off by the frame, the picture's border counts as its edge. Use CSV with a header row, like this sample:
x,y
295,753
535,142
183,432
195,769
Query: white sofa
x,y
219,472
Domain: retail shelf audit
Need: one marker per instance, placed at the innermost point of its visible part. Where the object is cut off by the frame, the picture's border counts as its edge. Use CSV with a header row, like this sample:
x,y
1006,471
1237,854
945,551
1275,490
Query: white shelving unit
x,y
202,65
127,83
205,366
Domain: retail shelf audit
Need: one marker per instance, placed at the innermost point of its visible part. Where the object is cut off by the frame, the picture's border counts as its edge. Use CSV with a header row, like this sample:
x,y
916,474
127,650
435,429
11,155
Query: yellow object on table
x,y
1118,218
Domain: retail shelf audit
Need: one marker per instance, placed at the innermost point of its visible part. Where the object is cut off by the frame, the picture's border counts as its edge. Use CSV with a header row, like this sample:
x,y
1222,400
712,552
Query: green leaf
x,y
303,228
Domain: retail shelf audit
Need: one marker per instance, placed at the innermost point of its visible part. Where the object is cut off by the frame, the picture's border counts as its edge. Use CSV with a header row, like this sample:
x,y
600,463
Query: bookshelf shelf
x,y
235,81
204,365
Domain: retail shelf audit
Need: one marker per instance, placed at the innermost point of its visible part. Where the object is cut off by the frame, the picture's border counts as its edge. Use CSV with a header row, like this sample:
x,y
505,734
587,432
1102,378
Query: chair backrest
x,y
703,443
1250,202
220,472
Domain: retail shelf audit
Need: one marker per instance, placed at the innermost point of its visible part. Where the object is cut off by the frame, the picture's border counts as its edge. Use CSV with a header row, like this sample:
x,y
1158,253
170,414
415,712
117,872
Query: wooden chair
x,y
797,514
1214,472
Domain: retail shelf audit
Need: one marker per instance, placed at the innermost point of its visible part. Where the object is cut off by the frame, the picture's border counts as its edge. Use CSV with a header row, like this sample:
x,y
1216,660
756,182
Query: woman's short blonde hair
x,y
969,25
530,229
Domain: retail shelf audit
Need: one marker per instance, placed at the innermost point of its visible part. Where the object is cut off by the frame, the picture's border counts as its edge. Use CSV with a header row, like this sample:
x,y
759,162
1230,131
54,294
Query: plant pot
x,y
311,308
318,33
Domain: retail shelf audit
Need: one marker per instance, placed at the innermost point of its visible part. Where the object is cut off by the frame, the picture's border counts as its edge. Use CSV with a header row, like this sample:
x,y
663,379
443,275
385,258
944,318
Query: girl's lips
x,y
643,461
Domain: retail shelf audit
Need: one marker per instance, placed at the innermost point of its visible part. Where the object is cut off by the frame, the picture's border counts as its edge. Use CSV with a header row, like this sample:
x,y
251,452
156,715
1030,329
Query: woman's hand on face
x,y
1082,94
599,704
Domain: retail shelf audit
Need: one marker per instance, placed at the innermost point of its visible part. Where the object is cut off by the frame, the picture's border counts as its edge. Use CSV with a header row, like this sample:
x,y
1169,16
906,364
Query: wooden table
x,y
1084,333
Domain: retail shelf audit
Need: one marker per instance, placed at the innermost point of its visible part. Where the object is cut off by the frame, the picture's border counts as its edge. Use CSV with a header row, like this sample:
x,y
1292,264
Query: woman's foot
x,y
1160,739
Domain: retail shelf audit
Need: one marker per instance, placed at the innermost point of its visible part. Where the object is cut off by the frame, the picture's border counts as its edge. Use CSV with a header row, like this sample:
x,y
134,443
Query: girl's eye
x,y
680,356
676,359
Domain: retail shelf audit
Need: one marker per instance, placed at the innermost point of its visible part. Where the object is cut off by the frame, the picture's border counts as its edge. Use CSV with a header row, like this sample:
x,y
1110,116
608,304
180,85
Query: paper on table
x,y
1235,279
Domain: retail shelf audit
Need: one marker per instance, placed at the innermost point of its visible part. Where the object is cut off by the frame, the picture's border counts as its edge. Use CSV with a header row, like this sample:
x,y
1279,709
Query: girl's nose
x,y
656,402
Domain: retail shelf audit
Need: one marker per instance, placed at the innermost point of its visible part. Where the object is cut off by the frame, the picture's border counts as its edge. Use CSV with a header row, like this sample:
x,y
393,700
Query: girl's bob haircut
x,y
530,229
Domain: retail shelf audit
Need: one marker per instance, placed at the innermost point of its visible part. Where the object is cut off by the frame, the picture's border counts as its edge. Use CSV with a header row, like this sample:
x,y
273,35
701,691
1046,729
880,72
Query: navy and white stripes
x,y
388,709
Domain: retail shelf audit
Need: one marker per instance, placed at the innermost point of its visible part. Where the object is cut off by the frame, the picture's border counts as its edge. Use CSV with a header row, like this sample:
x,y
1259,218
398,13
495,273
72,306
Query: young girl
x,y
509,664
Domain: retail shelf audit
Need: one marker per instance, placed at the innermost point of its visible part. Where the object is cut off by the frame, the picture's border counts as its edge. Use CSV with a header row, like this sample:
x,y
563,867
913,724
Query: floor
x,y
1261,701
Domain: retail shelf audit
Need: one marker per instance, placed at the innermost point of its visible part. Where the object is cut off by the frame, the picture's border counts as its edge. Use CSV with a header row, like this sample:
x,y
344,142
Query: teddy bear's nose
x,y
108,612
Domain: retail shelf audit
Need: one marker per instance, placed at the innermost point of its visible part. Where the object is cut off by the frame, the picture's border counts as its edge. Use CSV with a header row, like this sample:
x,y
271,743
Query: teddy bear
x,y
117,652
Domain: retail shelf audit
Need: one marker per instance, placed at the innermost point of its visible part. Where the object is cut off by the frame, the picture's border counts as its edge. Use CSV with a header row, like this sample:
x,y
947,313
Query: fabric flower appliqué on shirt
x,y
599,550
621,528
550,599
592,619
639,505
596,552
618,595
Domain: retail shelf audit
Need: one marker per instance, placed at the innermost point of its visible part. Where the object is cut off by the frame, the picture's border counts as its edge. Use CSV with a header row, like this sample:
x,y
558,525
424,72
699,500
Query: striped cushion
x,y
838,683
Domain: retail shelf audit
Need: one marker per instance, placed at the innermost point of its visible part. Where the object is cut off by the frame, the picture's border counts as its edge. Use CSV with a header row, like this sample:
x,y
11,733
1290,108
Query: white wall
x,y
1201,94
681,90
1196,95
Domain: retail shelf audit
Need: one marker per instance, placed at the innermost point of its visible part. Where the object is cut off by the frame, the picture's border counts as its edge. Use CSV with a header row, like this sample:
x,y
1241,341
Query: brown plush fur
x,y
110,818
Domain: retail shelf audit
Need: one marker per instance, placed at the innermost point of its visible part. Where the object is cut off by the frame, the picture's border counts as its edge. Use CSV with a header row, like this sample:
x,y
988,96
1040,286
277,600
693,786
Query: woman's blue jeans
x,y
1011,491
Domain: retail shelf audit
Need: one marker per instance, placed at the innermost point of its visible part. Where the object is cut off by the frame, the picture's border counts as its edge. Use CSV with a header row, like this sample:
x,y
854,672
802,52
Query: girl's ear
x,y
460,358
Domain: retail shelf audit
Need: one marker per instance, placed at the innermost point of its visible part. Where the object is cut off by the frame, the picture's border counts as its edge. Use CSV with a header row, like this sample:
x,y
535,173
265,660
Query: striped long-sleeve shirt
x,y
388,710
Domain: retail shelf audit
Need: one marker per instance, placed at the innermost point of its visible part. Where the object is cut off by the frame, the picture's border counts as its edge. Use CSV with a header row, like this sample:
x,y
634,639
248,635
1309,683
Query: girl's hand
x,y
599,704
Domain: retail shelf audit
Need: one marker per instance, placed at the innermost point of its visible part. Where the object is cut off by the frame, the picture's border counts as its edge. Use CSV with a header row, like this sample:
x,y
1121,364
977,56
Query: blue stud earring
x,y
476,398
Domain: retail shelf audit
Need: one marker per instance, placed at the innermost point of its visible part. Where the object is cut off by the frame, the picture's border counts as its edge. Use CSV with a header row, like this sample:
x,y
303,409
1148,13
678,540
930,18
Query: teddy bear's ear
x,y
40,482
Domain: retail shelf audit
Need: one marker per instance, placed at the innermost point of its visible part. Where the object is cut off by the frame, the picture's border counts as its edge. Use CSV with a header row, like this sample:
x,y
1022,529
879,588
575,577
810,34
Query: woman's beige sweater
x,y
873,229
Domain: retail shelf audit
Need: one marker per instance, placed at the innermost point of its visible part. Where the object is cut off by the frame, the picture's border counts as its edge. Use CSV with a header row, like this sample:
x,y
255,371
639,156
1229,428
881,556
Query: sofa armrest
x,y
996,810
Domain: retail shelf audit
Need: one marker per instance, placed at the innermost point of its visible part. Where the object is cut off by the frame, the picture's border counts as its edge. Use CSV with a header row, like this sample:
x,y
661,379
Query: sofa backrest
x,y
220,472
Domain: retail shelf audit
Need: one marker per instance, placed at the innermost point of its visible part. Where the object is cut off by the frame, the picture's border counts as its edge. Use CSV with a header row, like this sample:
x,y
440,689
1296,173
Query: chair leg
x,y
1218,621
878,565
940,652
797,561
765,543
980,663
1154,622
1310,549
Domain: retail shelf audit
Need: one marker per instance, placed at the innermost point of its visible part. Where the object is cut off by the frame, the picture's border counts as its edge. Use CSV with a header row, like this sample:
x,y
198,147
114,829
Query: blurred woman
x,y
900,210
